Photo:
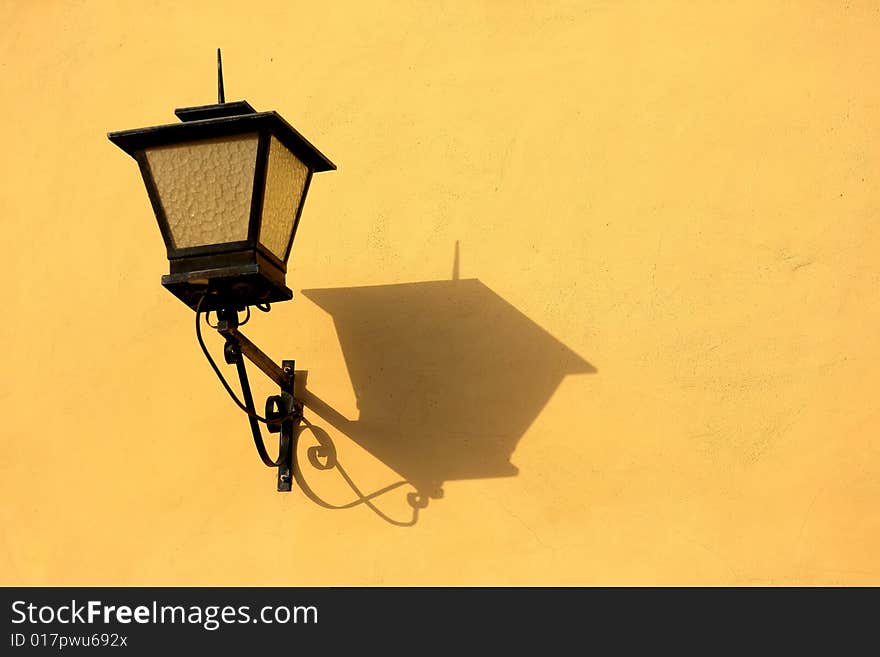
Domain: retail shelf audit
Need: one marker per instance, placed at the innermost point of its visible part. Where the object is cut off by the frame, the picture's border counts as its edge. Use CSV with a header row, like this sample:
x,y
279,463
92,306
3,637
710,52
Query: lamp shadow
x,y
447,375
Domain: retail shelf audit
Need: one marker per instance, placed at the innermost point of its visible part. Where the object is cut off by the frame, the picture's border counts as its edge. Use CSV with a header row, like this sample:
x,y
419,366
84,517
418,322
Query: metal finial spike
x,y
221,97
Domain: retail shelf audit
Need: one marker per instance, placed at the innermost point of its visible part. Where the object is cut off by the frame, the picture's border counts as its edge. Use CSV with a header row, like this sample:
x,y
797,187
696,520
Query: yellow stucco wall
x,y
659,365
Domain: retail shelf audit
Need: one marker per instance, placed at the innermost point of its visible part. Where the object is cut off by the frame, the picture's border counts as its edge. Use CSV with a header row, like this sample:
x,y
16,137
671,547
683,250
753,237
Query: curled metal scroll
x,y
322,456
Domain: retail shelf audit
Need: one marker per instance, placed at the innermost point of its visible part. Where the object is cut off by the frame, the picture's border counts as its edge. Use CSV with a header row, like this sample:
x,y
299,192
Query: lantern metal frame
x,y
230,277
243,272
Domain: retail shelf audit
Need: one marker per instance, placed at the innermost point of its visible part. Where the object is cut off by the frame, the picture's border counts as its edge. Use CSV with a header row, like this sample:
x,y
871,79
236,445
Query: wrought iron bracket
x,y
284,415
282,412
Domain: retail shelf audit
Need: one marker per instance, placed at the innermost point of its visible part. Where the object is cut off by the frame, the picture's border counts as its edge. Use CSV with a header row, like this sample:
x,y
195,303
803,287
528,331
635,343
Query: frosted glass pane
x,y
206,188
285,181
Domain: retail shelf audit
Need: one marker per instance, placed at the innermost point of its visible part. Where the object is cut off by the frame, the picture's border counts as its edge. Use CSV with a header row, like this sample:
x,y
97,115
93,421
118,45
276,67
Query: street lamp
x,y
227,185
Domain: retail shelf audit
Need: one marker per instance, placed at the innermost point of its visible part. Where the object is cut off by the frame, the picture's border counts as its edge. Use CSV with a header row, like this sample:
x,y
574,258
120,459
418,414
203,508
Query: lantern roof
x,y
220,120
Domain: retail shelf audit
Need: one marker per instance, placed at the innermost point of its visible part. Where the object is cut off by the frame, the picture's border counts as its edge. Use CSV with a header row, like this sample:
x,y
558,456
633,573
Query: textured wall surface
x,y
654,359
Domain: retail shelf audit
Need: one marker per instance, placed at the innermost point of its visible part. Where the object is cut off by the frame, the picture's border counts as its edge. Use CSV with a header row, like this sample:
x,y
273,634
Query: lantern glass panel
x,y
286,179
206,188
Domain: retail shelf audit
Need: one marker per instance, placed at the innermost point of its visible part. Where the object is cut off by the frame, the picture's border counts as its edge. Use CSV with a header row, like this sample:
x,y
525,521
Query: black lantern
x,y
227,185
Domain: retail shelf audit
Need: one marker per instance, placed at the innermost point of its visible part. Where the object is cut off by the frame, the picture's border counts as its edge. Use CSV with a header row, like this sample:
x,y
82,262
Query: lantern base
x,y
227,287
